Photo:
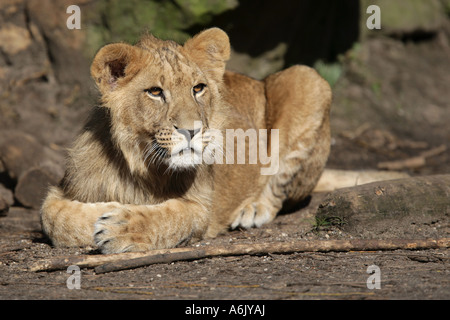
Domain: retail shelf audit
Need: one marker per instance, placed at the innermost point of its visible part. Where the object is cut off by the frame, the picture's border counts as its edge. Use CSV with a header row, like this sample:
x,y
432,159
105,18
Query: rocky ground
x,y
390,111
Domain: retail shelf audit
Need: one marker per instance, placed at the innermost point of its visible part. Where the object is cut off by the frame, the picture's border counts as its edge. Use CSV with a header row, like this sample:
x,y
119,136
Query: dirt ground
x,y
391,103
404,274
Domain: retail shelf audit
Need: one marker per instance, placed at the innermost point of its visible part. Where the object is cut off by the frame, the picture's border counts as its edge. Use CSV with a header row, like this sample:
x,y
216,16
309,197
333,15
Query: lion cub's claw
x,y
110,233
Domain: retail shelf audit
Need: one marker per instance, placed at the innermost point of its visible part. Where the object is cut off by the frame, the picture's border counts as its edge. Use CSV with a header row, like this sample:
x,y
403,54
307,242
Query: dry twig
x,y
413,162
108,263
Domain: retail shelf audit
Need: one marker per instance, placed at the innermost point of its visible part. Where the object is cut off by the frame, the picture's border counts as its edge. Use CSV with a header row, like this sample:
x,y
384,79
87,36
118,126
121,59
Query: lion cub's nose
x,y
189,134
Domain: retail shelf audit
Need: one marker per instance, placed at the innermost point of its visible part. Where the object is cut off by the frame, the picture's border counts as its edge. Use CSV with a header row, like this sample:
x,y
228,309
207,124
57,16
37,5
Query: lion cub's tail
x,y
333,179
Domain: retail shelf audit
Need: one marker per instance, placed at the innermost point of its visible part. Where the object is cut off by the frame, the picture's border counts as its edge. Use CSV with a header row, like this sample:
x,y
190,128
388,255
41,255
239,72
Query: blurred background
x,y
391,86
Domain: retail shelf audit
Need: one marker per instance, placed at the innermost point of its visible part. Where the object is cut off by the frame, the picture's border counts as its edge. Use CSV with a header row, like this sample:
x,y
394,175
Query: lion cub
x,y
150,169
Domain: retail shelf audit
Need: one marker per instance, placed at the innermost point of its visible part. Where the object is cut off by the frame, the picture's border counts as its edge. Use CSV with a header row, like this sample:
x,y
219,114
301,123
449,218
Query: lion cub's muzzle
x,y
183,148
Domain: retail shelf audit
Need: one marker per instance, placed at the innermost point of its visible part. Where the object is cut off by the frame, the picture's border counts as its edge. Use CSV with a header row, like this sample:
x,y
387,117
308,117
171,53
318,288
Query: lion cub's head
x,y
162,96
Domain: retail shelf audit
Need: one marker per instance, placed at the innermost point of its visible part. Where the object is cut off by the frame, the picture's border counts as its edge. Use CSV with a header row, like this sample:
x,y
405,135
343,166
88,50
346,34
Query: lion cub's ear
x,y
210,50
114,65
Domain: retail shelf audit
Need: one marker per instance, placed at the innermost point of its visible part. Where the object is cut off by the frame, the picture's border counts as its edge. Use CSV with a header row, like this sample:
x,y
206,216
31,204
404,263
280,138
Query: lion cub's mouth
x,y
185,159
186,153
176,149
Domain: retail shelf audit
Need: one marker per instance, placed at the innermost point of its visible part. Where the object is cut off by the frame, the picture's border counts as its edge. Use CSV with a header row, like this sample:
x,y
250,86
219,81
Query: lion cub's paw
x,y
253,215
111,233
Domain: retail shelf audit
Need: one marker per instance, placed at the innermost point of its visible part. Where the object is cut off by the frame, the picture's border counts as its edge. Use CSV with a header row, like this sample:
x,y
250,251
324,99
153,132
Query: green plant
x,y
322,223
331,72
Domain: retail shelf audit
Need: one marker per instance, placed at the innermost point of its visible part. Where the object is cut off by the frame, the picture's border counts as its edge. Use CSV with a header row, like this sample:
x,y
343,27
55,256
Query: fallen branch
x,y
434,152
133,260
413,162
409,163
279,247
150,259
88,261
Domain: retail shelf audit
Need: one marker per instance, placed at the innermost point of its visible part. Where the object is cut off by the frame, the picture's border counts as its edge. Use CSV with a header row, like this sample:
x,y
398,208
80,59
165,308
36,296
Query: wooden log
x,y
4,207
33,185
2,166
7,195
30,165
383,200
19,152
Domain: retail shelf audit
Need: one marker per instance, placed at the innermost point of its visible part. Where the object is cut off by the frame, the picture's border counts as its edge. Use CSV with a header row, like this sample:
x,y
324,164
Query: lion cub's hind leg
x,y
263,209
298,106
252,214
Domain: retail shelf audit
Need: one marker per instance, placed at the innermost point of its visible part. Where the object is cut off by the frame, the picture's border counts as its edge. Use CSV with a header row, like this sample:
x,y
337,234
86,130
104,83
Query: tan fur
x,y
121,191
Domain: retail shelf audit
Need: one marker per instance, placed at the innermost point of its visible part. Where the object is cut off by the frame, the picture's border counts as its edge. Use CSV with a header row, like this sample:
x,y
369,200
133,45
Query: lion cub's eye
x,y
198,88
155,92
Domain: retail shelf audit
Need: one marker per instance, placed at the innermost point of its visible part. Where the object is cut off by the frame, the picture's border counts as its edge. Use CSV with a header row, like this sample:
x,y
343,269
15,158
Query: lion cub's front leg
x,y
146,227
70,223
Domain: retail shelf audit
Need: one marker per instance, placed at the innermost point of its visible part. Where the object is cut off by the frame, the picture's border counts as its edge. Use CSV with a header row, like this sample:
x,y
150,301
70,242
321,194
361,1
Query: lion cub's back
x,y
247,97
